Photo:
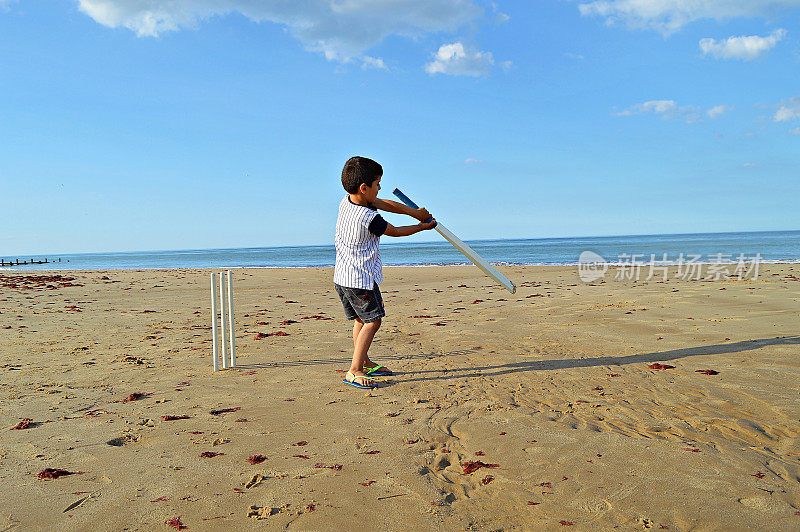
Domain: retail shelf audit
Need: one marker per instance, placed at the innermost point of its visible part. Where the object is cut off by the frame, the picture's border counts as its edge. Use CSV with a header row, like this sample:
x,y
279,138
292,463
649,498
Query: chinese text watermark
x,y
689,267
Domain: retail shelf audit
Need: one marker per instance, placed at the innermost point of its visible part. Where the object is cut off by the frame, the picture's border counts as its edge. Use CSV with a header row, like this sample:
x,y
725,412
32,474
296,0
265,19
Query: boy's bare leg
x,y
363,333
357,325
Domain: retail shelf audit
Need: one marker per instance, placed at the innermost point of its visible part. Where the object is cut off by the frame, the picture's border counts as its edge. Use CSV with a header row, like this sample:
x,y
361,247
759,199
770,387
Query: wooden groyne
x,y
24,262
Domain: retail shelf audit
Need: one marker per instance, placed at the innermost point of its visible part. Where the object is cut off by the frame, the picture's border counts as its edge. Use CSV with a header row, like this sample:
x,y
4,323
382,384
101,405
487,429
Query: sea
x,y
764,246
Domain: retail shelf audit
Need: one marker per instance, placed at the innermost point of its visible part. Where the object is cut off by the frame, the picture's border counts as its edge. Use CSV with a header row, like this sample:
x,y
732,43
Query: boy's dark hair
x,y
359,170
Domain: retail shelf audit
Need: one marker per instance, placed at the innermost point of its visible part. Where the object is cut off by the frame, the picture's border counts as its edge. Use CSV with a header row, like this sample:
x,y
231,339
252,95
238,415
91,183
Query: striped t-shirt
x,y
358,259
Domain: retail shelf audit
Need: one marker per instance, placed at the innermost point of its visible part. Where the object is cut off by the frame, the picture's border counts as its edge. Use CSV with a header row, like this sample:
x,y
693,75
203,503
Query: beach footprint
x,y
595,507
123,440
770,505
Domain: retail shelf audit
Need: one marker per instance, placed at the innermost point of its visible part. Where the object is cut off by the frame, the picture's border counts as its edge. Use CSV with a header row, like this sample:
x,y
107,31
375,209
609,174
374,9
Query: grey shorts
x,y
367,305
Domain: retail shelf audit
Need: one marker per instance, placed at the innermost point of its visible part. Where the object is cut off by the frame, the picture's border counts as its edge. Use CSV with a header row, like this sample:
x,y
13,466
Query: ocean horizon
x,y
768,246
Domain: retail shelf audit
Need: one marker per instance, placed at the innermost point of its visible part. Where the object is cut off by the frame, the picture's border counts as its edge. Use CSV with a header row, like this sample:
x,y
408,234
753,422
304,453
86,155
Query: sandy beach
x,y
536,410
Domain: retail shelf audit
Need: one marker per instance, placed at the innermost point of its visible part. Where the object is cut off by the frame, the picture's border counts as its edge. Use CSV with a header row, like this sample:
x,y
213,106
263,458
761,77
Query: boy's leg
x,y
357,324
363,333
360,305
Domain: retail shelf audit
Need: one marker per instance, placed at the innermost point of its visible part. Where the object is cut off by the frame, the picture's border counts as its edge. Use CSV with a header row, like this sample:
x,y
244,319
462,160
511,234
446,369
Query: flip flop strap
x,y
374,369
354,377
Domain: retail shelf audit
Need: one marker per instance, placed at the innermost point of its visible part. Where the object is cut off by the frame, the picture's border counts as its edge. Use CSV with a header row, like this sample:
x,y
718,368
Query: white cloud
x,y
749,165
745,48
795,131
668,16
473,161
340,29
499,16
668,109
788,109
456,60
718,110
373,62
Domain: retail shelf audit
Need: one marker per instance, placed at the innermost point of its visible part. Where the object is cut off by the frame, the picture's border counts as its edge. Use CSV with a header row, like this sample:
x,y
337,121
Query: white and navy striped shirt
x,y
358,259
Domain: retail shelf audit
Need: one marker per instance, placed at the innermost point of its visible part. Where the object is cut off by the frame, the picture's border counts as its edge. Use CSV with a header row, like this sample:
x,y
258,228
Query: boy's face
x,y
371,193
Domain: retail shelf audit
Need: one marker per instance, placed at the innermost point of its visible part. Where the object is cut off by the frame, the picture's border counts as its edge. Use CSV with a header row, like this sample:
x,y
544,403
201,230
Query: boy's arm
x,y
420,214
408,230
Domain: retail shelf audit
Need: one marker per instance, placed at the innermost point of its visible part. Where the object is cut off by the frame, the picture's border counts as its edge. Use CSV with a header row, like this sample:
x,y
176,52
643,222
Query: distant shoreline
x,y
703,248
330,267
402,243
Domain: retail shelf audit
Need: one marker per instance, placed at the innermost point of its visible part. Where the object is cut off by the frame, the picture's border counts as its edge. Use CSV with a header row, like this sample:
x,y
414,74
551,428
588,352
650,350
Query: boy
x,y
359,270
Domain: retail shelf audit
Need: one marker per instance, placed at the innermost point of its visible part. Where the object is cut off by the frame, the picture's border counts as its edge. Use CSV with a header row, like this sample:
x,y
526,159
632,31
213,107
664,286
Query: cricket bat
x,y
468,252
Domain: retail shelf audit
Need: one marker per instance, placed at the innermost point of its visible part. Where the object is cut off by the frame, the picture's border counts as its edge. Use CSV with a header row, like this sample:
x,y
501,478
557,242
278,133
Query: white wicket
x,y
226,328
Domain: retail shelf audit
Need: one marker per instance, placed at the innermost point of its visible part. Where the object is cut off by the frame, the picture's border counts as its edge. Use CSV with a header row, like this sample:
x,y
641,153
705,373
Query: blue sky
x,y
156,124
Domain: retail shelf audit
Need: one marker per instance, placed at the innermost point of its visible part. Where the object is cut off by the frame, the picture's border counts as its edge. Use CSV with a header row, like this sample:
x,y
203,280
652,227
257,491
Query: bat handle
x,y
408,201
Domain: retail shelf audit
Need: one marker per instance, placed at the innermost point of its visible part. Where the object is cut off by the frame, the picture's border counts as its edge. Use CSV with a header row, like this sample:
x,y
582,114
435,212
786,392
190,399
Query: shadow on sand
x,y
544,365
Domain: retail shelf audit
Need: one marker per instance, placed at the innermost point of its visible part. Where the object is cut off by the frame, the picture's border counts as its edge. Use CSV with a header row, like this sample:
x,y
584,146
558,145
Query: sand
x,y
551,384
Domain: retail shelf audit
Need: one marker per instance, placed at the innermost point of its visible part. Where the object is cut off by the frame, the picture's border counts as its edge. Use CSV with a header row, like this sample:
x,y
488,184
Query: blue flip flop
x,y
378,372
354,384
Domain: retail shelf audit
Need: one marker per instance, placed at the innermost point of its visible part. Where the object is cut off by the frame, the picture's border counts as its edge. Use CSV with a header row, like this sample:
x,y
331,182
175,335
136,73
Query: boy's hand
x,y
424,226
421,214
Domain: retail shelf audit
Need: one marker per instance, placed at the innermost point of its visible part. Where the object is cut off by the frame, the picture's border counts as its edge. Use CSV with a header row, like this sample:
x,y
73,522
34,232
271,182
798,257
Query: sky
x,y
176,124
